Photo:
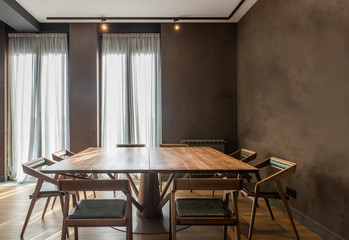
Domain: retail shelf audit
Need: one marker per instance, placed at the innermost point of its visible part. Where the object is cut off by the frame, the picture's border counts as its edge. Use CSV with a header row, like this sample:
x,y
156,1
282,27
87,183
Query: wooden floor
x,y
14,204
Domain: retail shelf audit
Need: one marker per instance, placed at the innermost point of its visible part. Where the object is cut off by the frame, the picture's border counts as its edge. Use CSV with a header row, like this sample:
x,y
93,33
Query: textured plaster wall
x,y
293,99
199,83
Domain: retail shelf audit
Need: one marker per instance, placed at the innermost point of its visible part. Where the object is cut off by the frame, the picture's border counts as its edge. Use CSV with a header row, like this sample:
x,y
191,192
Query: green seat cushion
x,y
99,208
48,188
201,207
38,164
265,189
278,164
61,154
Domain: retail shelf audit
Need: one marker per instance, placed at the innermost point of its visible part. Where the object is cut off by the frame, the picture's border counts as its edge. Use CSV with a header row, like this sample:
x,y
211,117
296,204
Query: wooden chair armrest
x,y
277,176
234,154
263,163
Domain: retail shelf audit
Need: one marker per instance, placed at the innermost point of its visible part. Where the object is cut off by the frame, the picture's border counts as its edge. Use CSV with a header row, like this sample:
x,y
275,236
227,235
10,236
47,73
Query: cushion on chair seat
x,y
265,189
48,188
201,207
99,208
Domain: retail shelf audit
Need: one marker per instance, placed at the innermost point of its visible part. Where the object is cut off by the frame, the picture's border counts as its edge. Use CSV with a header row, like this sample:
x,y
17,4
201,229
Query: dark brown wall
x,y
293,101
83,86
199,82
2,101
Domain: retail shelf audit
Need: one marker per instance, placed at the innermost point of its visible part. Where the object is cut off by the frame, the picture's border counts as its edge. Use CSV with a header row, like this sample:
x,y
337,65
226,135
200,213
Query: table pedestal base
x,y
158,225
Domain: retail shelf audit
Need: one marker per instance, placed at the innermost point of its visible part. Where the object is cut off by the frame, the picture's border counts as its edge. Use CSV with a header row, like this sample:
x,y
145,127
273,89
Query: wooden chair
x,y
46,187
60,156
205,211
264,188
161,175
244,155
96,212
133,185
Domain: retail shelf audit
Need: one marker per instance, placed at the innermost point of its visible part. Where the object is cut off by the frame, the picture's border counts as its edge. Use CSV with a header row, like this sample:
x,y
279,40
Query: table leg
x,y
149,196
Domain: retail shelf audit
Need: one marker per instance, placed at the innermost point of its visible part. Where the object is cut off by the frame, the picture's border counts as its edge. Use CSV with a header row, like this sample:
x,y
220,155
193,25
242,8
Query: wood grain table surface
x,y
149,160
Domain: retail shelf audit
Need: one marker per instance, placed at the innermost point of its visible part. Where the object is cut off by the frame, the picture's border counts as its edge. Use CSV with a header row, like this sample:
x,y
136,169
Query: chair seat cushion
x,y
201,207
99,208
48,188
249,187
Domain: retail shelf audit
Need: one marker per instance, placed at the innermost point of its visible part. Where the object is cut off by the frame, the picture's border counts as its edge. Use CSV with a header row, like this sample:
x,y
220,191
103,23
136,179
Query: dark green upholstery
x,y
48,188
61,154
38,164
99,208
201,207
247,154
265,189
278,164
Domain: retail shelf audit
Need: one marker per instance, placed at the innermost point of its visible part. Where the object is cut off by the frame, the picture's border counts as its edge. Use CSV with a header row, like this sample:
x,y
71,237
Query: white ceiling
x,y
41,9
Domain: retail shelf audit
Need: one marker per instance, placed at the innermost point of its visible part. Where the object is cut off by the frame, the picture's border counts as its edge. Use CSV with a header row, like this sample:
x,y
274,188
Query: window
x,y
38,121
130,89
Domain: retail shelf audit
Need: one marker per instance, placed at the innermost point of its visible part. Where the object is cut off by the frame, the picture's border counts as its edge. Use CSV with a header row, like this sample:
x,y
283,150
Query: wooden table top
x,y
149,160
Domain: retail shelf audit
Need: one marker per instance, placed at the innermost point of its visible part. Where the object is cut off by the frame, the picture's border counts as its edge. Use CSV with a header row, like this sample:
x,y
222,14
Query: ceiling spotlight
x,y
104,26
176,25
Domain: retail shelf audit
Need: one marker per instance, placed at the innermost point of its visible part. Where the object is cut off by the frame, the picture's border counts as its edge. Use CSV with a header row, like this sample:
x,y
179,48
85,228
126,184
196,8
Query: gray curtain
x,y
131,89
38,122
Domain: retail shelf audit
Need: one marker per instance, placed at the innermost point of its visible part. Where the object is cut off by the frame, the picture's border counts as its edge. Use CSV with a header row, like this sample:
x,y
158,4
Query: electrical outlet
x,y
291,192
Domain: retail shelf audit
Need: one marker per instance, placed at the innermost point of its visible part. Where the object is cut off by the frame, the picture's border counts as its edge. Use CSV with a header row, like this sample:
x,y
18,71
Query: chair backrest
x,y
94,185
206,184
285,168
33,167
244,155
130,145
61,155
173,145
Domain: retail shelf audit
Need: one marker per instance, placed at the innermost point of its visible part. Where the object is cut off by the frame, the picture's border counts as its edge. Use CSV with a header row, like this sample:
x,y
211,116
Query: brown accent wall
x,y
293,99
3,68
199,83
83,86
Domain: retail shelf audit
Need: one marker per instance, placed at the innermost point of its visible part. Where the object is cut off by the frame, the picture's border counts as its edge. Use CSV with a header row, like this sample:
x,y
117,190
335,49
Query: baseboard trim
x,y
3,178
314,226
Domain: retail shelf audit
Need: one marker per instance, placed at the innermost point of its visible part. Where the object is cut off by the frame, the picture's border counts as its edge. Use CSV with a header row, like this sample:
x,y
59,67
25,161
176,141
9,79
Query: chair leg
x,y
269,208
54,201
64,231
160,182
62,207
225,230
76,233
173,217
30,210
45,208
77,195
236,212
253,215
85,196
287,209
212,193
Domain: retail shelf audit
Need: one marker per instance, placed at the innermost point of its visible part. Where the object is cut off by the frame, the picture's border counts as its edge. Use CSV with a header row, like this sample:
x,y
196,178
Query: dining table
x,y
148,200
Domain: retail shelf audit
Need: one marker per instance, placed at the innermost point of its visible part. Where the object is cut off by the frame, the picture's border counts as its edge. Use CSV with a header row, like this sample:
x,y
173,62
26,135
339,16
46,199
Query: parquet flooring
x,y
14,202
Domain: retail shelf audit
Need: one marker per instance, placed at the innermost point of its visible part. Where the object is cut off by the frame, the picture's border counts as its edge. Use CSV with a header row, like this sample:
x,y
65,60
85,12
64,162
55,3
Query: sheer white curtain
x,y
131,89
38,122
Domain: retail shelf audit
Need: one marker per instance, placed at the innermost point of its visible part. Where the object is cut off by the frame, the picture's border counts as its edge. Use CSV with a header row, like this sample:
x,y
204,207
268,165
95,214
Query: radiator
x,y
218,144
